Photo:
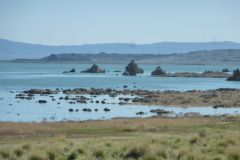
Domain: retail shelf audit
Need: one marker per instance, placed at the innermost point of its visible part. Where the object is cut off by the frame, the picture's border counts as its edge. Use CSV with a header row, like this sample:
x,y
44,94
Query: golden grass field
x,y
186,138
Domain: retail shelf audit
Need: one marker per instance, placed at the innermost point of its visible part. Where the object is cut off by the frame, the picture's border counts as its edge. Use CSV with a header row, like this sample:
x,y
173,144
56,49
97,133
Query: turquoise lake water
x,y
17,77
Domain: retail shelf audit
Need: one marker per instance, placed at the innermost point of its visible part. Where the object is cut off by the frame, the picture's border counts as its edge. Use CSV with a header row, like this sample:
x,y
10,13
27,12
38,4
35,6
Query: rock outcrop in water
x,y
158,72
132,69
72,70
94,69
235,76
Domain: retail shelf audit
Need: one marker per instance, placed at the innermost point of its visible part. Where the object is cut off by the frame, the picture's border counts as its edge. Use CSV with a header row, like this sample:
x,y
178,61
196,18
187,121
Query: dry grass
x,y
121,139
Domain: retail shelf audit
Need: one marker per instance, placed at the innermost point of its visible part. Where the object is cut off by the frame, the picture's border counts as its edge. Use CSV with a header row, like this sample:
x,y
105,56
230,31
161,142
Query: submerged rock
x,y
158,72
94,69
235,76
42,101
132,69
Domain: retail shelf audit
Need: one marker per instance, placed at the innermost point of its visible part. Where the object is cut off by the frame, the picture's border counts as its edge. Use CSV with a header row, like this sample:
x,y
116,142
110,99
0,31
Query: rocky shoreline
x,y
222,97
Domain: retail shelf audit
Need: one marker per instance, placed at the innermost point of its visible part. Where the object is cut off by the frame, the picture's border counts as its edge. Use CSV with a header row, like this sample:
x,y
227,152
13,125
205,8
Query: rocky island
x,y
158,72
132,69
94,69
206,74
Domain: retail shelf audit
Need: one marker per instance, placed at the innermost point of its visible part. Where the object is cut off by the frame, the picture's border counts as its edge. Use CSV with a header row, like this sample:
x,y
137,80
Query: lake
x,y
16,77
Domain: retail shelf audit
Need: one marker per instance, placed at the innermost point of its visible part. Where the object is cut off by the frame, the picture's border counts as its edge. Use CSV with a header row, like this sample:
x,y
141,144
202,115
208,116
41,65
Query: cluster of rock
x,y
41,91
206,74
223,97
94,69
235,76
158,72
132,69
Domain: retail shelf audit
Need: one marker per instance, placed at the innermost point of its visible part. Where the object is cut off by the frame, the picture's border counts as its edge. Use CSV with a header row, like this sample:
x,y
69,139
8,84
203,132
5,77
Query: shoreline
x,y
217,98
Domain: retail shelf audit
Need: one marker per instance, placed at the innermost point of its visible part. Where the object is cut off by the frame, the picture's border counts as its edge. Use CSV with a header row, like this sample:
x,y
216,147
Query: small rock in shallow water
x,y
140,113
106,109
70,110
86,110
42,101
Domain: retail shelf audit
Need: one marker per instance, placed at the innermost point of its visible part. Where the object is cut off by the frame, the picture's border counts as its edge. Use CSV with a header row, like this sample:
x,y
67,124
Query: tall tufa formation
x,y
158,72
235,76
132,69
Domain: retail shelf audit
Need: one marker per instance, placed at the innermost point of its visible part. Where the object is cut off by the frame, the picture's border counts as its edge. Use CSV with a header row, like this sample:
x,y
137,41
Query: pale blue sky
x,y
135,21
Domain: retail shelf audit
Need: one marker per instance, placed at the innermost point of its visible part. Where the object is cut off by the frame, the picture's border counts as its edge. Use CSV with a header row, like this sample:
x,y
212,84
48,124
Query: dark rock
x,y
220,106
81,101
132,69
235,76
106,109
103,102
95,110
86,110
94,69
158,72
70,110
42,101
125,86
140,113
121,103
72,70
225,70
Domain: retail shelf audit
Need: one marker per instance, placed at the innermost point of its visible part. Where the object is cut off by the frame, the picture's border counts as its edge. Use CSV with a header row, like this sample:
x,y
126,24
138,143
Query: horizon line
x,y
130,43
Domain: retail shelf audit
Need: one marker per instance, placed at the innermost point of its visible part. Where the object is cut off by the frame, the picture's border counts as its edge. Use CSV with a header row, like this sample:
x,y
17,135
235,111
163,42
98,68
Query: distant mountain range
x,y
218,56
14,50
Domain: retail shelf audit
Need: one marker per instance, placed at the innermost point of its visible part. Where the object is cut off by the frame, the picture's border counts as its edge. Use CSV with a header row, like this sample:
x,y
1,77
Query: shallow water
x,y
21,76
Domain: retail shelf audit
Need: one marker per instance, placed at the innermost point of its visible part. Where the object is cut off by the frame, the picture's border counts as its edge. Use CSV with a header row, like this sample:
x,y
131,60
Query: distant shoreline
x,y
203,57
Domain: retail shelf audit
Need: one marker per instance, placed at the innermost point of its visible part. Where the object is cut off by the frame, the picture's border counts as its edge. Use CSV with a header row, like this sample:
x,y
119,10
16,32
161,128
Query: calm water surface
x,y
21,76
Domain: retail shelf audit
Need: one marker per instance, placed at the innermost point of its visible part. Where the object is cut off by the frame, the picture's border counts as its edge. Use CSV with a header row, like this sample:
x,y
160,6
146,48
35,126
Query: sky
x,y
71,22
